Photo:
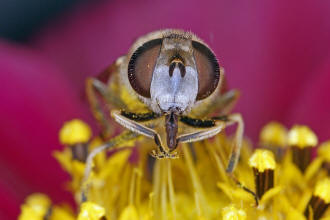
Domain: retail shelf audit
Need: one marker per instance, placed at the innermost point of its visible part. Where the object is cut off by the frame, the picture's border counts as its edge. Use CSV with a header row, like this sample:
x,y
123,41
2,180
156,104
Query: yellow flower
x,y
131,185
36,207
91,211
232,213
39,207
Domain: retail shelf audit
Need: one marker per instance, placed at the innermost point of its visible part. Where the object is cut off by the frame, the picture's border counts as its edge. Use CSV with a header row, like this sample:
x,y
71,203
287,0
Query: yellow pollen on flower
x,y
322,190
74,132
274,134
232,213
36,207
324,151
91,211
262,160
302,136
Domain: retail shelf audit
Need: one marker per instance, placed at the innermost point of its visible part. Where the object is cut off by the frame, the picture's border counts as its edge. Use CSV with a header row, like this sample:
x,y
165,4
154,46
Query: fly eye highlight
x,y
141,66
207,68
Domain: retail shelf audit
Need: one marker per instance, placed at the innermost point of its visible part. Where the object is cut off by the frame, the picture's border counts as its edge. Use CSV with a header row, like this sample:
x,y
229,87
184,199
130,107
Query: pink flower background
x,y
275,52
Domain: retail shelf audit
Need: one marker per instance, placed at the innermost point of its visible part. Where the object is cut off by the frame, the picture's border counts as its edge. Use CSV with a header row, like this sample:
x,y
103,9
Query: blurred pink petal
x,y
313,105
35,100
269,49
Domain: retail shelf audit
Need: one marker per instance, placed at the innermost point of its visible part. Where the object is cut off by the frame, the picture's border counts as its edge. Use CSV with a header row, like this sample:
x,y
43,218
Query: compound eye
x,y
207,68
141,66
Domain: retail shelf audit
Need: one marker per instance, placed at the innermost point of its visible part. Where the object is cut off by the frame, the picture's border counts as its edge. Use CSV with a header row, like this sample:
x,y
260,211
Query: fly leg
x,y
236,149
118,140
222,104
211,127
98,95
132,121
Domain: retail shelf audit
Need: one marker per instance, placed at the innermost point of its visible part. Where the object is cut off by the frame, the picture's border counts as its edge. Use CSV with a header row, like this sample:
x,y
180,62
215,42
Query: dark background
x,y
19,19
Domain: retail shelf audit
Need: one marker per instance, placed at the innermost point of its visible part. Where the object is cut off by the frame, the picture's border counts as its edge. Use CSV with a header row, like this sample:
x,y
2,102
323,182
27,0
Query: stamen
x,y
132,187
171,188
219,165
90,210
274,137
273,134
76,134
156,183
301,139
138,185
36,206
324,153
320,200
263,164
197,186
80,152
163,188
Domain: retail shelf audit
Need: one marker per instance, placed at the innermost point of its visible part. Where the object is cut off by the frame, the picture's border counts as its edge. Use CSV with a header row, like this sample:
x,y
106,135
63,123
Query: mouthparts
x,y
171,124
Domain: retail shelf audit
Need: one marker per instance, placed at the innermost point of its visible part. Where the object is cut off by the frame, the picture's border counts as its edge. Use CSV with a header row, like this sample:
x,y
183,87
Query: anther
x,y
231,212
36,206
90,210
301,139
273,136
76,134
324,153
320,200
263,164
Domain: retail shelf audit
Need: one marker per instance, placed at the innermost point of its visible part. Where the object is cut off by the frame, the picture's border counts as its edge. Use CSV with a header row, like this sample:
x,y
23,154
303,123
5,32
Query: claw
x,y
163,155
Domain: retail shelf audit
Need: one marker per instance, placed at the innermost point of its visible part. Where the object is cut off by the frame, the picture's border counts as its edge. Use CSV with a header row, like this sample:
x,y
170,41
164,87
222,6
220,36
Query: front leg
x,y
132,121
221,104
207,128
213,126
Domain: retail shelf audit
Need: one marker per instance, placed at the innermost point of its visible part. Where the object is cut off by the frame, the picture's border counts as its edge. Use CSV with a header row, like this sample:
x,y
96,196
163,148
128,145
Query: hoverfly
x,y
170,81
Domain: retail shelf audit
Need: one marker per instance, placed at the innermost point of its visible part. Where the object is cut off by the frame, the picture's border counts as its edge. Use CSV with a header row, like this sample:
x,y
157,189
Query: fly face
x,y
173,71
169,71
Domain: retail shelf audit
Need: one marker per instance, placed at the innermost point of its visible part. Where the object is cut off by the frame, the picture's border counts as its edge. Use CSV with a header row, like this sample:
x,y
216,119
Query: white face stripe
x,y
173,92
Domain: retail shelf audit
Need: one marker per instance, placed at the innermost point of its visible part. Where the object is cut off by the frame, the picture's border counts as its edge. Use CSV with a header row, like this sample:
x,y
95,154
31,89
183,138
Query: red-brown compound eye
x,y
207,68
141,66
